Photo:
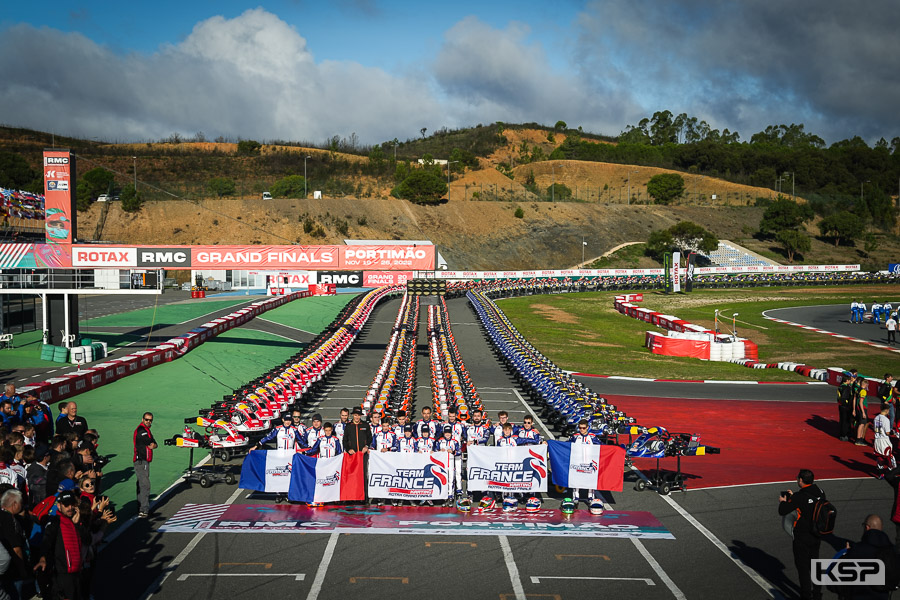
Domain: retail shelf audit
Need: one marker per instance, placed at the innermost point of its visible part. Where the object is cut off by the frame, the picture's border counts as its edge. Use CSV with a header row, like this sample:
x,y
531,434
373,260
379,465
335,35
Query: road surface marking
x,y
644,579
323,567
400,579
658,569
518,590
603,556
470,544
296,576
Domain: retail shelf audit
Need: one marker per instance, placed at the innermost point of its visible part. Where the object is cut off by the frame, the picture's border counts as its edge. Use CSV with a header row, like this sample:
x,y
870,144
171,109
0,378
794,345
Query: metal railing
x,y
36,280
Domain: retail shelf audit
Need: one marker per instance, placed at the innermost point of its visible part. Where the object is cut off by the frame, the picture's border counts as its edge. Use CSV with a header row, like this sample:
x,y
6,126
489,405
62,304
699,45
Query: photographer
x,y
806,542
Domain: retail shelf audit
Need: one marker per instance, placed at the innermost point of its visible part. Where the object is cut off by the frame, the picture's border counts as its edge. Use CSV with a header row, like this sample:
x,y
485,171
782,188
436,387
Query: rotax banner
x,y
508,469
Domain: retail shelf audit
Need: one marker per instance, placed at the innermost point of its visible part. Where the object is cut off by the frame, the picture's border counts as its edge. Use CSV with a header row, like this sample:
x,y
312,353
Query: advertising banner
x,y
409,476
380,278
508,469
418,520
59,188
341,278
677,272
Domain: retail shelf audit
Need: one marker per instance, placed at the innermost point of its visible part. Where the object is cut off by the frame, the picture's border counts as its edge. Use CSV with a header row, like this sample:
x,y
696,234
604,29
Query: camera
x,y
101,461
786,493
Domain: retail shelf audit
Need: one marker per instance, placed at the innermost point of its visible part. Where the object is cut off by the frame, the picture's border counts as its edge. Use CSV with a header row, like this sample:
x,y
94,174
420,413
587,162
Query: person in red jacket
x,y
144,445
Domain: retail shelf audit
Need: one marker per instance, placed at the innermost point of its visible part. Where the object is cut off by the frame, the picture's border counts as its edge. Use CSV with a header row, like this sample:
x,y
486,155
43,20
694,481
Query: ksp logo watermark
x,y
845,571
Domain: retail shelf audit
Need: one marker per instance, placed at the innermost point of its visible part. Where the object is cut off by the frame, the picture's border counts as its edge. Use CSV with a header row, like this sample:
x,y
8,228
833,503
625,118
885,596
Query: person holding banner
x,y
528,434
315,432
477,433
425,443
286,436
327,446
385,439
448,443
586,437
457,427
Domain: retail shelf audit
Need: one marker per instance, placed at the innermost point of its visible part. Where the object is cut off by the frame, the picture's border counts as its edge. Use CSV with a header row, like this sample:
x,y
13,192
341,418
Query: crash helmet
x,y
533,504
464,504
487,503
568,506
596,507
462,412
510,503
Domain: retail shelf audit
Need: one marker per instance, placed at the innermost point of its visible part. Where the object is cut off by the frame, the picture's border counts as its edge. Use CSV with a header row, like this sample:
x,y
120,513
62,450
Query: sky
x,y
305,71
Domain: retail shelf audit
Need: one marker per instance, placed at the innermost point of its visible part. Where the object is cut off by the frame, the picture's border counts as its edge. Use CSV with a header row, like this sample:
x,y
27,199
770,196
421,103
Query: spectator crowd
x,y
52,511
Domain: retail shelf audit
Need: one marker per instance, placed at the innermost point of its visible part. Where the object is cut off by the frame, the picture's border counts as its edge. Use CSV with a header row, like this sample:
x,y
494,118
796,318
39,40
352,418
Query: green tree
x,y
220,186
870,243
131,200
793,242
689,236
422,186
99,180
560,126
659,244
783,213
519,214
666,187
376,158
559,191
840,226
16,173
248,147
292,186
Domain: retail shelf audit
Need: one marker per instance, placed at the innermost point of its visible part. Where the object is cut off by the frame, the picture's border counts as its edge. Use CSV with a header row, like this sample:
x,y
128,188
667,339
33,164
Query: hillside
x,y
476,228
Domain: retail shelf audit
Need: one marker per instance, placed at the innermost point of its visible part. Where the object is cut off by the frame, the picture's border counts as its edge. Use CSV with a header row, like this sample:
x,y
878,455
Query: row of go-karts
x,y
232,425
564,401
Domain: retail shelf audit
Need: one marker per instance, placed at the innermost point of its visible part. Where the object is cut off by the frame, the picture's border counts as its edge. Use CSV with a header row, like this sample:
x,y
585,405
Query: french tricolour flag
x,y
587,466
336,479
267,471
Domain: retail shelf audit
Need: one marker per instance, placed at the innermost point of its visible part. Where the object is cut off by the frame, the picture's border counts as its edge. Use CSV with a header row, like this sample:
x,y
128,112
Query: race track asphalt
x,y
716,530
834,318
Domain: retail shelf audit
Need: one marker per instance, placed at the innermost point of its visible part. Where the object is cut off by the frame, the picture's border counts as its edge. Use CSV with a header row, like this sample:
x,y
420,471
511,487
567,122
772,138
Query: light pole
x,y
793,186
552,183
583,244
628,199
134,158
734,325
305,185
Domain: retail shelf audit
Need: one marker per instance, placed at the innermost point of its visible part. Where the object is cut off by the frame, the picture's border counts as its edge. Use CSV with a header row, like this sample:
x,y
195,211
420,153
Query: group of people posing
x,y
383,434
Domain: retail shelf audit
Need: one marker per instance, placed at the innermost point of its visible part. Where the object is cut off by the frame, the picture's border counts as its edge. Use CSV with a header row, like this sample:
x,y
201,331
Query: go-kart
x,y
657,442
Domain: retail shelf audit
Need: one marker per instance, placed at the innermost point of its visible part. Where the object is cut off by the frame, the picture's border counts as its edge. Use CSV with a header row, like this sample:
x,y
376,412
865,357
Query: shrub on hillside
x,y
220,186
422,186
292,186
247,147
131,200
519,214
665,187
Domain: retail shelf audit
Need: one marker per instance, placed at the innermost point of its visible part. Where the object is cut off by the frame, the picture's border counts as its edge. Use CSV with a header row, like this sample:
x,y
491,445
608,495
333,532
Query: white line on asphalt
x,y
533,414
284,337
323,567
658,569
234,307
644,579
737,485
296,576
512,568
288,326
156,585
767,587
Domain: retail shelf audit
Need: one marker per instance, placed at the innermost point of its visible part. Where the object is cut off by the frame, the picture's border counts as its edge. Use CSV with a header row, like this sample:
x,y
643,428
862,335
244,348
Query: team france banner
x,y
336,479
587,466
409,476
510,469
267,471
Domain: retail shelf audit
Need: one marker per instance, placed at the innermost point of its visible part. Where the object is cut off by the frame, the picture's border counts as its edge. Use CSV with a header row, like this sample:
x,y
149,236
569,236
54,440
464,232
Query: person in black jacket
x,y
357,434
873,543
806,541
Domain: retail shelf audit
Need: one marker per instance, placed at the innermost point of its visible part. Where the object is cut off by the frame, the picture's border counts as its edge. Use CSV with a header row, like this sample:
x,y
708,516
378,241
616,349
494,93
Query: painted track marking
x,y
323,567
518,590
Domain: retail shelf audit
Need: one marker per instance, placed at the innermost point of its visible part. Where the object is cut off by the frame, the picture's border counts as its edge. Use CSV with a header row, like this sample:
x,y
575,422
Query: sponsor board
x,y
341,278
507,469
411,520
409,476
380,278
59,214
176,257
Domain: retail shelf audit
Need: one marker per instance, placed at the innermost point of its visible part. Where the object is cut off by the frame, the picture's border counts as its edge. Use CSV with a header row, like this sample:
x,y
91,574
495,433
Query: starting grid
x,y
412,520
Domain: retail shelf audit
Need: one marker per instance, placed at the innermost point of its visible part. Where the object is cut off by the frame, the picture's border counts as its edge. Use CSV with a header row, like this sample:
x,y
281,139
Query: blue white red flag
x,y
267,471
587,466
336,479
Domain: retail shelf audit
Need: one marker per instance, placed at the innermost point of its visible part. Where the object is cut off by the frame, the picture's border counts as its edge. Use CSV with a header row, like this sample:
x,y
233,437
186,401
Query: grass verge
x,y
582,332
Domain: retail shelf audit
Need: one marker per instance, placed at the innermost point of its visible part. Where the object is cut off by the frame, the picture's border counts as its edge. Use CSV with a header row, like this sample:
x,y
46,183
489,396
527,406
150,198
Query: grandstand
x,y
21,216
729,254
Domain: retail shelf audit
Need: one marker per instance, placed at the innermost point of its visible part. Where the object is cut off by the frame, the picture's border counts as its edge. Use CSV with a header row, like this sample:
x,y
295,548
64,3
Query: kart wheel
x,y
664,489
205,481
225,455
641,485
229,479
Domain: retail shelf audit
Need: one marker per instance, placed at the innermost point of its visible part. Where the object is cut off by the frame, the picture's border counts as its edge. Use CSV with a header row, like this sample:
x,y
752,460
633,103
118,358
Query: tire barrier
x,y
393,386
450,381
426,287
255,407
